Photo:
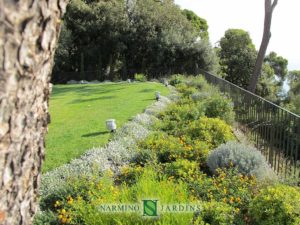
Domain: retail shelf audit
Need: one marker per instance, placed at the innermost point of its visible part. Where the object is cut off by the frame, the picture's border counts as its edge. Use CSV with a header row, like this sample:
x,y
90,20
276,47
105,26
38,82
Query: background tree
x,y
237,56
198,23
269,86
29,32
293,99
118,40
278,64
269,8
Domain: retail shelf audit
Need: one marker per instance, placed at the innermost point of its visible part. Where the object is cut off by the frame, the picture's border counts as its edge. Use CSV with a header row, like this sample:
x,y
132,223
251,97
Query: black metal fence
x,y
275,131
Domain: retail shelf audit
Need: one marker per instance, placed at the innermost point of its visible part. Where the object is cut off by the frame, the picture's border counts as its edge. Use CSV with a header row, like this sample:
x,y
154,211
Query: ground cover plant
x,y
78,114
166,153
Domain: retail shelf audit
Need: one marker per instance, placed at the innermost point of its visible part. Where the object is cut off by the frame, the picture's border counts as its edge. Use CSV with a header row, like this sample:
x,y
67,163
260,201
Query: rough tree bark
x,y
29,31
269,8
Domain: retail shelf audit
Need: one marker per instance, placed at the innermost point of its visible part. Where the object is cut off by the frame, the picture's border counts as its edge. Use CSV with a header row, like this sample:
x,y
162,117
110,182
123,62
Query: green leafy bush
x,y
227,186
246,159
176,79
220,107
198,82
46,218
183,169
140,77
166,147
276,205
200,96
178,115
212,131
129,174
215,213
184,112
186,90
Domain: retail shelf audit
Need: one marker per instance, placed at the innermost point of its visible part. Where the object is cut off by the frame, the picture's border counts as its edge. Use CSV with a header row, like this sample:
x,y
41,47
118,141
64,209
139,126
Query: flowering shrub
x,y
182,169
216,213
129,174
178,116
246,159
166,147
276,205
227,186
212,131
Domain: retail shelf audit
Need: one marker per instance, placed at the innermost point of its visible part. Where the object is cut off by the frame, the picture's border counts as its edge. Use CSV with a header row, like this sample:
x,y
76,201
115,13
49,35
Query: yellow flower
x,y
225,191
70,200
224,200
57,204
238,199
231,200
237,210
171,178
99,186
63,220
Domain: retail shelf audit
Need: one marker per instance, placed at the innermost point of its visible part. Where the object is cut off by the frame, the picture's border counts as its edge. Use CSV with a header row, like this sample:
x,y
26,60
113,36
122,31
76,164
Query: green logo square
x,y
150,207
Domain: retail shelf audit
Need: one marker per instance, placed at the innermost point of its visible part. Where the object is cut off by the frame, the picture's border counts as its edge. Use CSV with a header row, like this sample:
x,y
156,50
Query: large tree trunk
x,y
269,8
29,31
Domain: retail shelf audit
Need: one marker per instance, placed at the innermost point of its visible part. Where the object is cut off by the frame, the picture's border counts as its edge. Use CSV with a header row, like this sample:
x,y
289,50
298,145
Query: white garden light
x,y
157,95
111,125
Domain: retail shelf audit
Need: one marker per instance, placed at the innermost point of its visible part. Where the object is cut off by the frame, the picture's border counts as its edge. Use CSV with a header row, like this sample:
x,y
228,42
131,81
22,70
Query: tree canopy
x,y
198,23
293,100
237,56
118,39
237,59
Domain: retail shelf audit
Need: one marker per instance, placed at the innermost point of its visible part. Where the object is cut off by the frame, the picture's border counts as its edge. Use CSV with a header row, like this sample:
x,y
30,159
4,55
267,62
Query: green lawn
x,y
78,114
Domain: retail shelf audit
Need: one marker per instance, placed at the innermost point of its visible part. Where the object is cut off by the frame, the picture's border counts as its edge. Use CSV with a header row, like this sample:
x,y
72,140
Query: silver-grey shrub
x,y
132,129
246,159
158,106
145,119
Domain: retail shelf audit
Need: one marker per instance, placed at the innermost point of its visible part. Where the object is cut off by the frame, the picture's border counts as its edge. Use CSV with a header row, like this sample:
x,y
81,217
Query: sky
x,y
249,15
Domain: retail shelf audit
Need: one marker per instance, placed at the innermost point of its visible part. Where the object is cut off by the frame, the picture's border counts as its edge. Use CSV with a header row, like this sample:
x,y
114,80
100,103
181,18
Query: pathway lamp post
x,y
157,95
111,125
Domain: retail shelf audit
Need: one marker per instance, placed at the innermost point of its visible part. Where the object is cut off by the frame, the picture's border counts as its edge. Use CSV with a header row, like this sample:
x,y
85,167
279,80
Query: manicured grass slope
x,y
78,114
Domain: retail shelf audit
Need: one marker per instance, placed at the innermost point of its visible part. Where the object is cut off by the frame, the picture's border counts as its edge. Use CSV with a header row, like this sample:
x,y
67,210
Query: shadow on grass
x,y
149,99
91,99
95,134
85,89
148,90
